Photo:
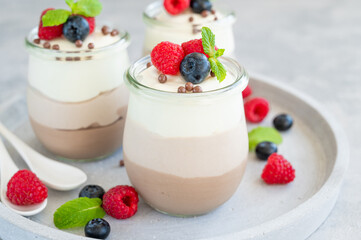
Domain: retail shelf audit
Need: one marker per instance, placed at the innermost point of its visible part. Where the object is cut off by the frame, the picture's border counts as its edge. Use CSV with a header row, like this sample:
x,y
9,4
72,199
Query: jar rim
x,y
152,9
139,66
123,43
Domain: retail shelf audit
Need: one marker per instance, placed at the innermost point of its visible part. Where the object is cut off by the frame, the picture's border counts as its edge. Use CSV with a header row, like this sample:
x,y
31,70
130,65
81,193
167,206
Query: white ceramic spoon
x,y
7,170
54,174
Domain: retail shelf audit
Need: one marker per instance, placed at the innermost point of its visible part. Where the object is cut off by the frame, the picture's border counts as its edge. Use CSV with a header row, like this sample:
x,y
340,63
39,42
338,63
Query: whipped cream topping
x,y
183,18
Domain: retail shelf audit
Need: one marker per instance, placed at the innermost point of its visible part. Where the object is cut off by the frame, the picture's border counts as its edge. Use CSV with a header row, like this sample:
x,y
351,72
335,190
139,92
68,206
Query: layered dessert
x,y
77,100
185,140
181,21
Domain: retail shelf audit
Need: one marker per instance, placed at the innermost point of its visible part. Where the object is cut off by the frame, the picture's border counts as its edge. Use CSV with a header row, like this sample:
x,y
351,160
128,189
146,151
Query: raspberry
x,y
91,21
278,170
256,109
121,202
194,46
167,57
25,188
247,91
49,33
175,7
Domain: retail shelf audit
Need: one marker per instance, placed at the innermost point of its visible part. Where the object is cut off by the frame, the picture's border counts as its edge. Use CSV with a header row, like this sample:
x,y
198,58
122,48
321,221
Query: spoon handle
x,y
7,166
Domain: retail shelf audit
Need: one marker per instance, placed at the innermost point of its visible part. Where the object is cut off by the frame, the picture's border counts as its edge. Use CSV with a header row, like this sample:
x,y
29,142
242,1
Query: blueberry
x,y
76,28
265,149
199,6
97,228
92,191
195,67
283,122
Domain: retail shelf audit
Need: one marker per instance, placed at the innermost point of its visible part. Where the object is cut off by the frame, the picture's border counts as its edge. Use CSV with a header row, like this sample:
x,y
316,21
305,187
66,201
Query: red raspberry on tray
x,y
121,202
25,188
194,46
49,33
256,109
167,57
175,7
278,170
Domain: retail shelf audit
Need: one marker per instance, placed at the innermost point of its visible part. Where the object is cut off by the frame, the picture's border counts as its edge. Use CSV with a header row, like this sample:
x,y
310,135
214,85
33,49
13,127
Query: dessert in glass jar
x,y
181,21
77,100
185,140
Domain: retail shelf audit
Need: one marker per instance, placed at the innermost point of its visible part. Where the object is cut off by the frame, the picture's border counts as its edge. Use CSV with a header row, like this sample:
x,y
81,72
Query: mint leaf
x,y
261,134
217,68
70,3
208,41
77,212
87,8
55,17
219,53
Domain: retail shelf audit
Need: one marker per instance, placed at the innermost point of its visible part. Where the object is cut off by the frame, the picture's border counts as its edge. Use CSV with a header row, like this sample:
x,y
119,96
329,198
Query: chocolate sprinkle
x,y
213,11
76,58
191,19
149,64
68,59
78,43
162,78
189,86
114,33
47,45
55,47
182,89
91,45
197,89
121,163
212,74
215,18
204,13
37,40
105,30
58,59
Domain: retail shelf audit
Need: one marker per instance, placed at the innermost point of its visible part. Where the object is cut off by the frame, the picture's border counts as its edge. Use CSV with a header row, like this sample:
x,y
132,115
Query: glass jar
x,y
185,153
77,100
158,30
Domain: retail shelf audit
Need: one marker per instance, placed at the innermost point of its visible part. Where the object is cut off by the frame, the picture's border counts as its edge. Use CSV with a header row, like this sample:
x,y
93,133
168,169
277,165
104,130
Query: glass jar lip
x,y
122,43
241,81
154,8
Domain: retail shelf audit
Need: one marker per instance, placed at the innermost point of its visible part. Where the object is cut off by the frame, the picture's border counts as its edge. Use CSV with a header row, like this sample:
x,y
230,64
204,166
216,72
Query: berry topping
x,y
198,6
97,228
49,33
76,28
256,109
194,46
265,149
121,202
167,57
195,67
25,188
91,22
175,7
283,122
278,170
92,191
247,92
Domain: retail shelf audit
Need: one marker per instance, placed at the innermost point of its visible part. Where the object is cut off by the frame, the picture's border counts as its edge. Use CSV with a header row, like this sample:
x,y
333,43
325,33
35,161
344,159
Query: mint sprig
x,y
86,8
77,212
209,48
261,134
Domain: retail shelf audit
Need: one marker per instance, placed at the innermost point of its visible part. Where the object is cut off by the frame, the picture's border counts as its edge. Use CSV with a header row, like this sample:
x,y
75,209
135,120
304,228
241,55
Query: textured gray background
x,y
312,45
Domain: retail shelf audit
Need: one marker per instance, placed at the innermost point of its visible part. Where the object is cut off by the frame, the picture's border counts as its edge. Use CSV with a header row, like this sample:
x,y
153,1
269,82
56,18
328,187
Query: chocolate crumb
x,y
197,89
37,40
91,45
76,58
114,33
121,163
105,30
204,13
190,19
149,64
189,86
47,45
212,74
68,59
162,78
215,18
79,43
182,89
213,11
55,47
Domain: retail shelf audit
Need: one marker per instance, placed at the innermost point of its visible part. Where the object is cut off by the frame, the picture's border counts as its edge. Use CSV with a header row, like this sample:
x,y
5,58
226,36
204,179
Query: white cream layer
x,y
183,18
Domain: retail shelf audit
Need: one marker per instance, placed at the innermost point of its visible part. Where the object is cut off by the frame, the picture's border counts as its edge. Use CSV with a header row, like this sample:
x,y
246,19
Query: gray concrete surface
x,y
314,46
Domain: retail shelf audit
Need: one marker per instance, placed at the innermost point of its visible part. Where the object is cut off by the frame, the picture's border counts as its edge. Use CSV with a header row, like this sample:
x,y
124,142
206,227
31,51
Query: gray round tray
x,y
316,146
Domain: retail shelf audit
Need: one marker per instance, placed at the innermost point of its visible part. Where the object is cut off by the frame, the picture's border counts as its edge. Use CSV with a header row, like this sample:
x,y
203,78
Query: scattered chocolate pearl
x,y
215,18
58,59
190,19
189,86
204,13
105,30
212,74
162,78
55,47
68,59
37,40
76,58
121,163
182,89
213,11
47,45
114,33
149,64
79,43
91,45
197,89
